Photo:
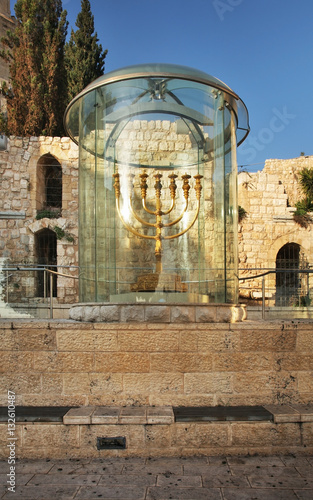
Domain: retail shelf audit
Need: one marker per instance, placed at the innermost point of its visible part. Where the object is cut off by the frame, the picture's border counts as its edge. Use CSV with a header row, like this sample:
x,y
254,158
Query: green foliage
x,y
84,56
35,51
305,206
306,182
47,214
242,213
60,234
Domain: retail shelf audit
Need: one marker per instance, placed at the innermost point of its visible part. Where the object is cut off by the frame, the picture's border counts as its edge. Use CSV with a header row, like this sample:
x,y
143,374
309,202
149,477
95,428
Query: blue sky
x,y
262,49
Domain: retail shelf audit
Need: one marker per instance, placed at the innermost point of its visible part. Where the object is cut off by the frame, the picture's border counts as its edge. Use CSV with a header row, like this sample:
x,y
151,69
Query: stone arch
x,y
49,184
293,237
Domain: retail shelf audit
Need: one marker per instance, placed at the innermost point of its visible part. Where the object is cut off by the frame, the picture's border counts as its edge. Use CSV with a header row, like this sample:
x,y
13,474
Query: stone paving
x,y
194,478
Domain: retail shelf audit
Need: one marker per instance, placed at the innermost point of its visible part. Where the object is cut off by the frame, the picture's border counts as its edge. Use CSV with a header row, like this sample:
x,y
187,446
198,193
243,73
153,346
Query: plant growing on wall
x,y
305,206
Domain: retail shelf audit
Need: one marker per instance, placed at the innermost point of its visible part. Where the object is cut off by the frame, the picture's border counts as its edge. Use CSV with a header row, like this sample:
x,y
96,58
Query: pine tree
x,y
35,50
83,54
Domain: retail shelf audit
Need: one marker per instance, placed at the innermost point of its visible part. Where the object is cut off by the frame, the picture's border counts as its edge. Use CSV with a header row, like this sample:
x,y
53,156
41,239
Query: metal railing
x,y
20,284
268,293
278,292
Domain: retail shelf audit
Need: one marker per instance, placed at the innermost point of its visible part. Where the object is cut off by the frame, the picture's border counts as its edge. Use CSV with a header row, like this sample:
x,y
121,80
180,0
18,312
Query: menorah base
x,y
159,282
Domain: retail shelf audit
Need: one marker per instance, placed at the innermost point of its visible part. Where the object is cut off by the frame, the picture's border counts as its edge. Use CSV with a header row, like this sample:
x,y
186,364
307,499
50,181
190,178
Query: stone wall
x,y
19,207
141,364
269,198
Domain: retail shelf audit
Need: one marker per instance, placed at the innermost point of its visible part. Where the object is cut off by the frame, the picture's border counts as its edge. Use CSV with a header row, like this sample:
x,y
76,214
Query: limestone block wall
x,y
18,211
145,364
269,196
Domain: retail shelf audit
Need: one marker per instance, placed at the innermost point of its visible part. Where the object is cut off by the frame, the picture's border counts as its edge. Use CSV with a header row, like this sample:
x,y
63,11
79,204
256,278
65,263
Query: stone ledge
x,y
132,415
165,415
157,313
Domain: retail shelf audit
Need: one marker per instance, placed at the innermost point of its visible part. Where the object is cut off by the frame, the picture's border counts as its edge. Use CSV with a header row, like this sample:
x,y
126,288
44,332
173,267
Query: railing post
x,y
51,295
44,283
263,297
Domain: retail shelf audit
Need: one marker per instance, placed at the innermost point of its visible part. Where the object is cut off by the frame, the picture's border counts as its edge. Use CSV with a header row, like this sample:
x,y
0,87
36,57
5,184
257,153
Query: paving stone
x,y
127,480
225,481
28,467
295,461
76,479
92,468
207,470
177,493
21,479
43,492
165,468
304,494
281,481
111,492
180,481
270,471
270,461
257,494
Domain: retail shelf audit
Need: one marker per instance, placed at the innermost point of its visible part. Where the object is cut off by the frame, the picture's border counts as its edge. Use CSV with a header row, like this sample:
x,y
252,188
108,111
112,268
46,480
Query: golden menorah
x,y
169,282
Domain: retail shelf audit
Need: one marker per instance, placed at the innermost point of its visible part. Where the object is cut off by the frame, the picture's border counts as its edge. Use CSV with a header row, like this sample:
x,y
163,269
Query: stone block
x,y
149,383
188,341
79,416
268,341
105,415
36,340
49,437
25,383
86,340
206,314
183,314
305,341
109,313
132,314
8,339
218,341
265,434
306,412
158,436
189,435
239,362
160,415
124,362
52,383
133,415
180,362
305,382
16,362
63,362
157,314
207,383
149,340
283,413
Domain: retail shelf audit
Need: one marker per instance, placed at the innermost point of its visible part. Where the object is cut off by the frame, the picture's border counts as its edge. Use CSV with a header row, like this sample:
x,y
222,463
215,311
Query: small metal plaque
x,y
111,443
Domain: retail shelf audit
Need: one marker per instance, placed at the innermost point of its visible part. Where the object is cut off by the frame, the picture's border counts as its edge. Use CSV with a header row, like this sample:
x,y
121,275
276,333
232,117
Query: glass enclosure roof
x,y
157,70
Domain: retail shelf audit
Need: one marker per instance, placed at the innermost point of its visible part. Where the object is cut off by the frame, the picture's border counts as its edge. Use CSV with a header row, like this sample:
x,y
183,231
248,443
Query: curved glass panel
x,y
158,191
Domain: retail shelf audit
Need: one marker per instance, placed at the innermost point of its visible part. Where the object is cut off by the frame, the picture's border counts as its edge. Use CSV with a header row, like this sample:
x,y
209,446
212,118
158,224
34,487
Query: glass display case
x,y
157,185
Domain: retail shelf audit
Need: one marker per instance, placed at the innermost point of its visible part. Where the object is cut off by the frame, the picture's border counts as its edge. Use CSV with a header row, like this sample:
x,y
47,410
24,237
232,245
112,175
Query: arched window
x,y
46,254
49,184
287,280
